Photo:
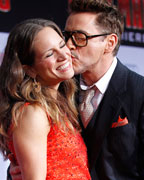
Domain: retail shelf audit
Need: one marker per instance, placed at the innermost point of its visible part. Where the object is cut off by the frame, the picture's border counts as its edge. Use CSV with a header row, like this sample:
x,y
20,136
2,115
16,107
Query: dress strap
x,y
49,118
26,104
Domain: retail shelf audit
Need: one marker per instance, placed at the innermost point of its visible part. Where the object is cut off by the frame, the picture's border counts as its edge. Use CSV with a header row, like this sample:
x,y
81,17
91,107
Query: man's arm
x,y
141,148
8,174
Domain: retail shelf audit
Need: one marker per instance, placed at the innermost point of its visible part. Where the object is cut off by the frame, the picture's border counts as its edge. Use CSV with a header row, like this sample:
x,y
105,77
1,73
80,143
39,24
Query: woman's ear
x,y
30,71
112,41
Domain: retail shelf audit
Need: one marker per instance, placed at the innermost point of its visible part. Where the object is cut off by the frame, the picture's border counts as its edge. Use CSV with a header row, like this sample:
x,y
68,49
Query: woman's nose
x,y
62,56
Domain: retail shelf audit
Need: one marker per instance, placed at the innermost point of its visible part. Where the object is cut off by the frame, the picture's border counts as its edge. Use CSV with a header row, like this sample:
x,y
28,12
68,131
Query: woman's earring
x,y
36,86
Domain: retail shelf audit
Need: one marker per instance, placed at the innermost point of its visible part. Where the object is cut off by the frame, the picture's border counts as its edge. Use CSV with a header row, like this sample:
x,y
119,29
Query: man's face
x,y
89,57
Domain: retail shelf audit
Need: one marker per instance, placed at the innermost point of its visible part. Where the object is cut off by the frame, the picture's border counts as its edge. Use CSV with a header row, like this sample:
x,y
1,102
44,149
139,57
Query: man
x,y
114,132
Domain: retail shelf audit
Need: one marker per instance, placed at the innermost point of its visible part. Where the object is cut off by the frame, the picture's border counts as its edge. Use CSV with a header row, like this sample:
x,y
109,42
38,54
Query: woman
x,y
38,118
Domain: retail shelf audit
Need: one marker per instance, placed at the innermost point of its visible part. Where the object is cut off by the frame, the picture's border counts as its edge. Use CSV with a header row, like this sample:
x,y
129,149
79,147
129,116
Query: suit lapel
x,y
77,80
100,124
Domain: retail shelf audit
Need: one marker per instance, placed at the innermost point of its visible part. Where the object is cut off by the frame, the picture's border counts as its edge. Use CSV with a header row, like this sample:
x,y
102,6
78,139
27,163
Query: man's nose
x,y
70,44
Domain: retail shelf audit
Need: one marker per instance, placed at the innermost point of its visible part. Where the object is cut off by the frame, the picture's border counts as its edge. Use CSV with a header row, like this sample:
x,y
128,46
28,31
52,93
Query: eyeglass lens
x,y
78,38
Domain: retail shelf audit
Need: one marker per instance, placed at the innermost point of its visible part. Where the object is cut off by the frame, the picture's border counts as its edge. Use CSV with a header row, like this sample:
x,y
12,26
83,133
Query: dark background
x,y
55,10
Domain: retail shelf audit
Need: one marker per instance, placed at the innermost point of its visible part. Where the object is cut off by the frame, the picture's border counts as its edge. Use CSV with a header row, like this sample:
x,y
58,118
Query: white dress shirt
x,y
101,84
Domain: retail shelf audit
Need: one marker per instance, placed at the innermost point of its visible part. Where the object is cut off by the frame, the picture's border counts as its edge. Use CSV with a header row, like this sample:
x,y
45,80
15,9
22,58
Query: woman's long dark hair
x,y
16,87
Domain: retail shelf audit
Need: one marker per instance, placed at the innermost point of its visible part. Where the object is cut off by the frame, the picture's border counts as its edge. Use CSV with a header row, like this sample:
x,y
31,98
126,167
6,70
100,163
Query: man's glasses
x,y
79,38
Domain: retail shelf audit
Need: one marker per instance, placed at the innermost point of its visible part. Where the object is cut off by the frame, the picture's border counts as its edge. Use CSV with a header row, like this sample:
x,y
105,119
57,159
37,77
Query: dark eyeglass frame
x,y
69,34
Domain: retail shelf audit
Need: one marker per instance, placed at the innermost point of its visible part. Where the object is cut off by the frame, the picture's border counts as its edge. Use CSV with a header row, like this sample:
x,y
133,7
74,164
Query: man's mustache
x,y
73,54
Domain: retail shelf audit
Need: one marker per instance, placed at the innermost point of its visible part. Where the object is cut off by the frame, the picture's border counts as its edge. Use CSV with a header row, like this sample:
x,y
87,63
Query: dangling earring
x,y
36,86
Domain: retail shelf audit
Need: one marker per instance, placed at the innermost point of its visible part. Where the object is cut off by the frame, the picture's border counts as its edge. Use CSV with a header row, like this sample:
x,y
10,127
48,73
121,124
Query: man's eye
x,y
80,39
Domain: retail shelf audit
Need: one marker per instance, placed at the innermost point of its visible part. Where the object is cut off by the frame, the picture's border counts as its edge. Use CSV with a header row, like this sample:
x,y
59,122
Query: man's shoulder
x,y
126,79
131,73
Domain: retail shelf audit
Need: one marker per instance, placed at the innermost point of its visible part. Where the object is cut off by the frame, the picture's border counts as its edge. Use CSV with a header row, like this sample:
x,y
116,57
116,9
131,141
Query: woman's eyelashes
x,y
51,52
63,44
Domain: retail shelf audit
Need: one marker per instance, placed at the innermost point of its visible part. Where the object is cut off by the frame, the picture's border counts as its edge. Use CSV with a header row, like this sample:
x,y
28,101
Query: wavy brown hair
x,y
108,18
16,87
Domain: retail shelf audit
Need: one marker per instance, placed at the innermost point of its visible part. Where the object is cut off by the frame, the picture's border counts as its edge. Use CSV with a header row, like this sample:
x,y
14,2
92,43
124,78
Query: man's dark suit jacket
x,y
116,149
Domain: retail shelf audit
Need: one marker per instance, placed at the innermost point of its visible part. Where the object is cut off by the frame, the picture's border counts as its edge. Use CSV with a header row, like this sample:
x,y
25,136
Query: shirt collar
x,y
103,82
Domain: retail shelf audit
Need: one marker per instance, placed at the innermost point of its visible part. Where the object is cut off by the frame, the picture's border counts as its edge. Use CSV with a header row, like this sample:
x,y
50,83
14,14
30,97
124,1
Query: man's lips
x,y
74,55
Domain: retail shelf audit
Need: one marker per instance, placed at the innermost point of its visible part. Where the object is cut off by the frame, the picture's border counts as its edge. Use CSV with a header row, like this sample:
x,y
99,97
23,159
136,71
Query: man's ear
x,y
30,71
112,41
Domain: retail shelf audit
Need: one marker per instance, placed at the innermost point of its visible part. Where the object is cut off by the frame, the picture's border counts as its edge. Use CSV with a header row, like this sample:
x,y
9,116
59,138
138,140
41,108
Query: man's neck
x,y
93,75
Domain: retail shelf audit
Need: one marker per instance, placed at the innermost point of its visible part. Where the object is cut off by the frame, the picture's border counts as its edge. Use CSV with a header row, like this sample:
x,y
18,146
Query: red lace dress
x,y
66,156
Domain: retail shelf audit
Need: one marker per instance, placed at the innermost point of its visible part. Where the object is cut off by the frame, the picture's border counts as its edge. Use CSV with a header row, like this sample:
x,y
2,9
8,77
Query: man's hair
x,y
108,18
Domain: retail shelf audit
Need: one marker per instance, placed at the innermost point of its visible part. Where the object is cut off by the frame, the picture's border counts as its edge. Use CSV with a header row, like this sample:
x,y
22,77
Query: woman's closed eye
x,y
62,44
50,53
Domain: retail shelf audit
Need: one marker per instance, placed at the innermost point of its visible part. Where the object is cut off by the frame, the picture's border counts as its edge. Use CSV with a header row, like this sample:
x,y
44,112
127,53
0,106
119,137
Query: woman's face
x,y
53,62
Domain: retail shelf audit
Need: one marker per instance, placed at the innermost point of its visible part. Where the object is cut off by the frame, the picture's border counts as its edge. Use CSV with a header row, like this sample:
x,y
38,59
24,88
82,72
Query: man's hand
x,y
14,169
15,172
